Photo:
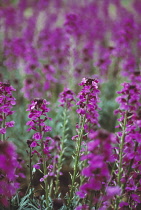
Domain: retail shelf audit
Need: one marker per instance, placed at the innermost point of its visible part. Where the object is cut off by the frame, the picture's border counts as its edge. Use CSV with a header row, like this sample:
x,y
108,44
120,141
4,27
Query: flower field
x,y
70,105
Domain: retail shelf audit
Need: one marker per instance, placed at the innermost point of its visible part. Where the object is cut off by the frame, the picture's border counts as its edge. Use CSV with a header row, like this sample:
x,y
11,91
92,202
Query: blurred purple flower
x,y
8,166
6,103
66,98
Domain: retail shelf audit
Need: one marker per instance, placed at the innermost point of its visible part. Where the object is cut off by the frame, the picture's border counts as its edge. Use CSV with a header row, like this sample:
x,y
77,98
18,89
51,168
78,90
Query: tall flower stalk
x,y
61,154
121,146
29,142
38,115
75,174
6,103
88,98
96,190
127,159
9,165
66,101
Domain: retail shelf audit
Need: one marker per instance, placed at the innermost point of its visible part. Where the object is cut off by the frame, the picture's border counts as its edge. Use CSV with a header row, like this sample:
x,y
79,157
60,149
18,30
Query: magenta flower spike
x,y
6,103
66,98
97,173
88,103
38,116
88,117
8,175
129,142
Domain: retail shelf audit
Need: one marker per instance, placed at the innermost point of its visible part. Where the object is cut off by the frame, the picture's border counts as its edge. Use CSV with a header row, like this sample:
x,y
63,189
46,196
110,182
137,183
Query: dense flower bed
x,y
70,104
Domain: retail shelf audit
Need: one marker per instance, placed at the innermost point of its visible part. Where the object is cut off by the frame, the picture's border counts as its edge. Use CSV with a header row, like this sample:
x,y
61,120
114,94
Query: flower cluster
x,y
38,109
66,98
6,103
38,115
48,45
88,99
128,153
8,176
52,42
97,174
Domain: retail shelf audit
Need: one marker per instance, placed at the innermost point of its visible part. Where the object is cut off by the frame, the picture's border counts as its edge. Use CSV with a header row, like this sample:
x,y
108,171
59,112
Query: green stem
x,y
50,187
120,171
91,200
62,149
44,167
77,156
4,120
30,168
84,164
121,150
82,178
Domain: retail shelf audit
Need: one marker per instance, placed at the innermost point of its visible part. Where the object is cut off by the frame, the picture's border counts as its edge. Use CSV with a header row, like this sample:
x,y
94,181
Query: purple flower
x,y
111,191
30,123
8,166
88,99
38,115
47,128
81,194
37,166
2,130
130,96
83,207
33,144
6,103
10,124
123,204
129,111
66,98
37,136
97,173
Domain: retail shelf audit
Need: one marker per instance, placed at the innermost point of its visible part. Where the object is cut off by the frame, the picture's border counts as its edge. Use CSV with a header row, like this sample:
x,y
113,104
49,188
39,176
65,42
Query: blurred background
x,y
49,45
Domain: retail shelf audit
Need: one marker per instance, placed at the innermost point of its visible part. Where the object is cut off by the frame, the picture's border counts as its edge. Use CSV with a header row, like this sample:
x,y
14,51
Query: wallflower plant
x,y
105,168
9,164
66,101
38,115
6,103
88,98
85,158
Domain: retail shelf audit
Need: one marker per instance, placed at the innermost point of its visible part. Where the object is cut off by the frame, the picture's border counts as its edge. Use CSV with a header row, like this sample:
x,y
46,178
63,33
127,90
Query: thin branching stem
x,y
44,167
121,146
76,158
62,150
